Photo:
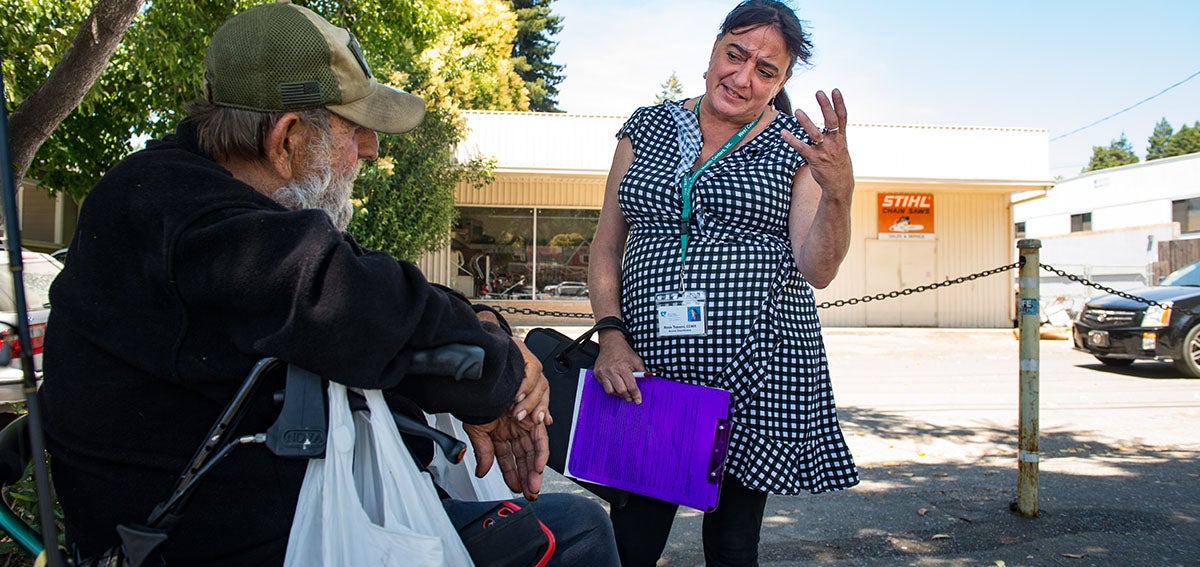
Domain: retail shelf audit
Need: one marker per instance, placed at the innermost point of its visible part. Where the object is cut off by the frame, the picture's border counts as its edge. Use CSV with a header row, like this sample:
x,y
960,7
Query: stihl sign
x,y
907,201
905,216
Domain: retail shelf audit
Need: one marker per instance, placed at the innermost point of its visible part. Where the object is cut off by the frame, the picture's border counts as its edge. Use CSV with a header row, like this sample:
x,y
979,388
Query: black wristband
x,y
612,323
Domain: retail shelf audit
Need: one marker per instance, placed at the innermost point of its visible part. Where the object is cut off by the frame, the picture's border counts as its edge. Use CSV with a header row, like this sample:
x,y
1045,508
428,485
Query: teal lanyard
x,y
689,181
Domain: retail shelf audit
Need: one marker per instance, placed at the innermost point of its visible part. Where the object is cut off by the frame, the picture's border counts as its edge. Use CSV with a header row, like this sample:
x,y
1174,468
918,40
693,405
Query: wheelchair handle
x,y
299,431
453,449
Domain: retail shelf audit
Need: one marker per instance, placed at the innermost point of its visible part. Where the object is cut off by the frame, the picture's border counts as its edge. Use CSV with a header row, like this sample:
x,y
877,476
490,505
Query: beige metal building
x,y
931,203
47,222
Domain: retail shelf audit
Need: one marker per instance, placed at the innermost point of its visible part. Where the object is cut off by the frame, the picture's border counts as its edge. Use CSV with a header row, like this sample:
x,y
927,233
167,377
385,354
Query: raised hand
x,y
828,155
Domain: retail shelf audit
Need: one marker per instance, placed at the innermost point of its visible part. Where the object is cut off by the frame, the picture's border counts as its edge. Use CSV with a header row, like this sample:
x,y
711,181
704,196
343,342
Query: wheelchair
x,y
298,432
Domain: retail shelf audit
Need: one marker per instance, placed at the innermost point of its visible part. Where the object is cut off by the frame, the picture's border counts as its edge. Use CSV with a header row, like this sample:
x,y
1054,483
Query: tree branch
x,y
47,106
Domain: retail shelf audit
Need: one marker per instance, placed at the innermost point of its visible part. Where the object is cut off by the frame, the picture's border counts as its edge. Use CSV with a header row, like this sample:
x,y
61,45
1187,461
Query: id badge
x,y
681,314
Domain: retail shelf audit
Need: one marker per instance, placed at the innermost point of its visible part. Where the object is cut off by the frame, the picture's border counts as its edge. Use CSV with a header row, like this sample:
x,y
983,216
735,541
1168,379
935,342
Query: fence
x,y
1174,254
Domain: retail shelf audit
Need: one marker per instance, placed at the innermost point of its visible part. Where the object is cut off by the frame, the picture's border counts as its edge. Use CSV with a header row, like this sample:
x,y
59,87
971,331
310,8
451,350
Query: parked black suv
x,y
1117,330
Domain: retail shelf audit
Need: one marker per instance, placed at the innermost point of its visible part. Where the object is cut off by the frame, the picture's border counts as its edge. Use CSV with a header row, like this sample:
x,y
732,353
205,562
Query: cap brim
x,y
386,109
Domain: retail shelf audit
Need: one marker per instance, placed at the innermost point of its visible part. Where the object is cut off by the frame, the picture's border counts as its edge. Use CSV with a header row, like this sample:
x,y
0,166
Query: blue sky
x,y
1056,65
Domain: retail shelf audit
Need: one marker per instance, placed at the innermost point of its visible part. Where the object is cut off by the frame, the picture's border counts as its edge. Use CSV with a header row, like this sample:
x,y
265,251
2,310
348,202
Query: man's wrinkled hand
x,y
532,405
521,453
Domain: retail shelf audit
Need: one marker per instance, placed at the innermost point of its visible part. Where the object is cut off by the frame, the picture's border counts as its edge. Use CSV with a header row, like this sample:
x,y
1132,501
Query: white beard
x,y
322,188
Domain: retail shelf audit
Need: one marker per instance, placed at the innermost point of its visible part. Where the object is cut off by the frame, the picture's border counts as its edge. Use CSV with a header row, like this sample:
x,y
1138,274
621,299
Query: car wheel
x,y
1114,361
1188,360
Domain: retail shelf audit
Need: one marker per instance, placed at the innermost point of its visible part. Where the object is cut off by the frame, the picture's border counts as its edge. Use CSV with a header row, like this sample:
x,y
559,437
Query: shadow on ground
x,y
1142,369
1100,503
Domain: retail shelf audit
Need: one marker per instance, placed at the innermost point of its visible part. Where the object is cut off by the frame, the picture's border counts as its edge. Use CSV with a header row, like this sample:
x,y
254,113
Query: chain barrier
x,y
541,312
1106,289
920,288
881,296
825,305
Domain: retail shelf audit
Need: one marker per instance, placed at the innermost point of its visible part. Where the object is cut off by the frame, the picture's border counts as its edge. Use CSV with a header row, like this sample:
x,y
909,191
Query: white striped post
x,y
1029,314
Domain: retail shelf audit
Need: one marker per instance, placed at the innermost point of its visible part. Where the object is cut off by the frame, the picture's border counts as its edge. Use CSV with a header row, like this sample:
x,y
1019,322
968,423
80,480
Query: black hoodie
x,y
181,277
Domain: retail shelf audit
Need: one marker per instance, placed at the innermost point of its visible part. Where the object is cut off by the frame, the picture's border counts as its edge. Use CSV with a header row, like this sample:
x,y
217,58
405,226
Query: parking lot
x,y
931,415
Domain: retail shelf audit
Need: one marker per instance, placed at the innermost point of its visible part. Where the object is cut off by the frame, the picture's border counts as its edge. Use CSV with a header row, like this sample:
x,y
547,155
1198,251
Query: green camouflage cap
x,y
281,57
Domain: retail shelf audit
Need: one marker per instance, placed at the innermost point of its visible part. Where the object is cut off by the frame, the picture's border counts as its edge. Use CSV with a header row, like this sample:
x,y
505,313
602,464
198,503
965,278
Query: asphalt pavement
x,y
932,418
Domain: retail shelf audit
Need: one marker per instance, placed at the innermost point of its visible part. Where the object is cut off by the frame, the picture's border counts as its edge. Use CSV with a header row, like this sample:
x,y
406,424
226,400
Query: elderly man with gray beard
x,y
224,244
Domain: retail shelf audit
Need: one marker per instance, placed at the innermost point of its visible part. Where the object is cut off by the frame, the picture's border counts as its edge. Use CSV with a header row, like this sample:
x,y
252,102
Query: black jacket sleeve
x,y
289,284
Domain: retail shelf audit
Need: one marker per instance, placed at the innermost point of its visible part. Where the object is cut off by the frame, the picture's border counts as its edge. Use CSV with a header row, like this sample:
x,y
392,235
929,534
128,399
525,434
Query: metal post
x,y
1030,324
37,444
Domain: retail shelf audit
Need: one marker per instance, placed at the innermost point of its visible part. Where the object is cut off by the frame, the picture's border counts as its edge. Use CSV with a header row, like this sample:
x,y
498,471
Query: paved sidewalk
x,y
931,415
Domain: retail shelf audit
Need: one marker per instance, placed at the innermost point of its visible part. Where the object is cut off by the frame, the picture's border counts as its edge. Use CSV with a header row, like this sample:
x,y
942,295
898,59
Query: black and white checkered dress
x,y
764,339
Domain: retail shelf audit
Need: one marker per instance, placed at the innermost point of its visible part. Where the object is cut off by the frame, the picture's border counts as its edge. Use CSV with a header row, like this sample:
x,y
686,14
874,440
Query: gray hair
x,y
225,132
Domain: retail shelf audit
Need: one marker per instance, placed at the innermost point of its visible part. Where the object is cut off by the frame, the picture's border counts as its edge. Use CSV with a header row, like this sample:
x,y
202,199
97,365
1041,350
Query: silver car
x,y
572,289
38,273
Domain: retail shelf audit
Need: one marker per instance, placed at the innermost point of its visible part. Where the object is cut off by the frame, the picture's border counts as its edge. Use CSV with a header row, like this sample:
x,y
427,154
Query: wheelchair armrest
x,y
458,361
300,429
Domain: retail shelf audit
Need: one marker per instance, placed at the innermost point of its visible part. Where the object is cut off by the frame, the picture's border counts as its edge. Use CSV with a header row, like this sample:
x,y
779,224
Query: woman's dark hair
x,y
752,14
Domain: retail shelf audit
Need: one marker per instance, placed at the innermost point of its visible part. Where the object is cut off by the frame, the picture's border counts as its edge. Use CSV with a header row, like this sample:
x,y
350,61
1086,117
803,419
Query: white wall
x,y
1121,197
1131,214
892,151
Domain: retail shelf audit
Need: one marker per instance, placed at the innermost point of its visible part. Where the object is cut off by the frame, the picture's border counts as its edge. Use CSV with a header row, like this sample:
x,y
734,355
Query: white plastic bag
x,y
459,480
397,520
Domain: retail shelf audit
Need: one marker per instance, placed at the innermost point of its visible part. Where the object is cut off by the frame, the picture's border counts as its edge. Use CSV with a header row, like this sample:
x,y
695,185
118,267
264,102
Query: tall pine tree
x,y
1119,152
533,49
1156,147
1185,141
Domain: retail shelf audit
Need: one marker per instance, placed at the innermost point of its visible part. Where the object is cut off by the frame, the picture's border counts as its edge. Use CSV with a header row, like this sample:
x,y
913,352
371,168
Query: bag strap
x,y
603,323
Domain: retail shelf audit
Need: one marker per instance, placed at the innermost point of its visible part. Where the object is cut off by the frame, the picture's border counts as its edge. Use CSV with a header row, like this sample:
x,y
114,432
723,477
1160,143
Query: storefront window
x,y
493,247
497,257
564,238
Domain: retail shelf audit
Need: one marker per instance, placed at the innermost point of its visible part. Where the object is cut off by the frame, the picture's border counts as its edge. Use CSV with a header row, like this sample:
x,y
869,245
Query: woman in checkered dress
x,y
769,220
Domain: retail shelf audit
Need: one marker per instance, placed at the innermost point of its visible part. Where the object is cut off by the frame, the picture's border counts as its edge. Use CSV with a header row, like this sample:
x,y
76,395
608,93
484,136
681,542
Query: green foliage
x,y
1119,152
22,499
672,89
1185,141
407,27
458,59
468,65
36,33
532,51
405,201
455,53
1164,142
567,239
1156,144
157,68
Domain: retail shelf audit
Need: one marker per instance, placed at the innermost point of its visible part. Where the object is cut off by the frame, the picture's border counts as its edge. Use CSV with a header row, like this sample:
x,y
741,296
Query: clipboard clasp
x,y
720,450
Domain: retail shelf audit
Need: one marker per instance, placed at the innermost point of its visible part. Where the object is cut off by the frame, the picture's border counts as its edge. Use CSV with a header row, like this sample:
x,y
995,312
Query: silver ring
x,y
833,130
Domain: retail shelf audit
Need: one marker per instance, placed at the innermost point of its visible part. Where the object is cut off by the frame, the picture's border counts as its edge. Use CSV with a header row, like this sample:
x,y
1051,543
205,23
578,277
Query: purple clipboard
x,y
671,447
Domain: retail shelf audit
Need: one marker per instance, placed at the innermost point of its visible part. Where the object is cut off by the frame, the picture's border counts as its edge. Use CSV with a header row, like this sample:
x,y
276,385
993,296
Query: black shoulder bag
x,y
562,358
